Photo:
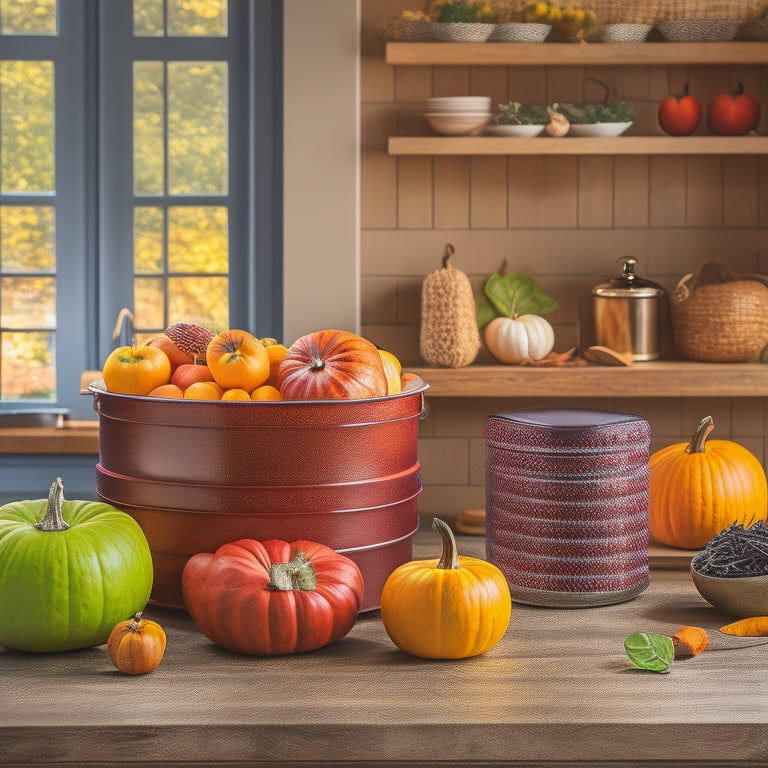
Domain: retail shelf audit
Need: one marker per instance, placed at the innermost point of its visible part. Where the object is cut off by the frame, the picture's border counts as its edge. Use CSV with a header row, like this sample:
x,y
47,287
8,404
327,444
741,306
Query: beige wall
x,y
566,219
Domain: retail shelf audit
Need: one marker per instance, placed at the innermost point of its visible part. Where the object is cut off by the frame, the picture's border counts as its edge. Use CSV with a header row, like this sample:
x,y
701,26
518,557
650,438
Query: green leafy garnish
x,y
512,294
647,650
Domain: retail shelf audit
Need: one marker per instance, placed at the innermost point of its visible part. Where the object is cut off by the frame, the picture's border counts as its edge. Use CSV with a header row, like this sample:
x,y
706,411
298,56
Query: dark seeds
x,y
735,551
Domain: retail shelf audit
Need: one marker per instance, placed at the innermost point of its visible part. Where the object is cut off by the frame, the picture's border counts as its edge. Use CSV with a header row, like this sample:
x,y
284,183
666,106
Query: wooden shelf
x,y
574,54
653,379
74,437
543,145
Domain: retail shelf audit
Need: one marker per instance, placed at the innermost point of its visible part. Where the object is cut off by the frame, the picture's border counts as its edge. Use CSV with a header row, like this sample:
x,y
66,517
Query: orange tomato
x,y
203,390
136,370
392,372
237,359
277,353
235,394
266,392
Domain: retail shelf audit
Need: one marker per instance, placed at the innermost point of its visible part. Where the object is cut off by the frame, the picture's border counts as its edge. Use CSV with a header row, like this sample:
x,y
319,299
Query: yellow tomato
x,y
237,359
136,370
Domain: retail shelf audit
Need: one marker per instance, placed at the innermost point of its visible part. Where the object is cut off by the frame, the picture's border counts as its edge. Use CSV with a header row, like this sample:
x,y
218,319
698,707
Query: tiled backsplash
x,y
565,219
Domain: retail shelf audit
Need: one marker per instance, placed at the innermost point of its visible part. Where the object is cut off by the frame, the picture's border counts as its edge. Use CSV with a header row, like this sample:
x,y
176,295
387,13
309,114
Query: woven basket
x,y
671,10
405,30
720,317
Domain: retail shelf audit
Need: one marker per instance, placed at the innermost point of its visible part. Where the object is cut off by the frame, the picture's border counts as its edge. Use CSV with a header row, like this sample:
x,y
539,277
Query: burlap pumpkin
x,y
718,316
449,333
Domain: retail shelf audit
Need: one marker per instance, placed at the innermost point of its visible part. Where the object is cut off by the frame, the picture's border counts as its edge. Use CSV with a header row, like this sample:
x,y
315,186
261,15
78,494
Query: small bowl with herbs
x,y
731,572
516,119
610,118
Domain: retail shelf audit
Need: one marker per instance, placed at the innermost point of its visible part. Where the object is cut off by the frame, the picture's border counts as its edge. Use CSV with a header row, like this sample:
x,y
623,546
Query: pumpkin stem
x,y
299,574
316,364
699,439
449,559
135,622
53,520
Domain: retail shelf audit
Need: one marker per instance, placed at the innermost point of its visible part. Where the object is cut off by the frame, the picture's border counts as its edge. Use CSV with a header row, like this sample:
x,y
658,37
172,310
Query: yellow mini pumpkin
x,y
700,488
450,608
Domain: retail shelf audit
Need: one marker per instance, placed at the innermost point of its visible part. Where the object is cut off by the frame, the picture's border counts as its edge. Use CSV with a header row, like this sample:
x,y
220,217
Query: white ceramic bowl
x,y
598,129
514,130
444,104
453,124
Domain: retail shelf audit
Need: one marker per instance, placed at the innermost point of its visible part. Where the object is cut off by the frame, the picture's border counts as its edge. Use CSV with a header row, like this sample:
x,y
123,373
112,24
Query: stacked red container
x,y
567,504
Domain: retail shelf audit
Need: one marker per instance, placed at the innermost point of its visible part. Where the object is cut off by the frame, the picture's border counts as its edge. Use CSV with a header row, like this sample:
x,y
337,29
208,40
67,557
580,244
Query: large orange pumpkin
x,y
331,365
700,488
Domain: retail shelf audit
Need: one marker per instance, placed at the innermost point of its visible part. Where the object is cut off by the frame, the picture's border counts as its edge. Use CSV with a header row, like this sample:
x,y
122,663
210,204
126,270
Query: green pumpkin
x,y
69,572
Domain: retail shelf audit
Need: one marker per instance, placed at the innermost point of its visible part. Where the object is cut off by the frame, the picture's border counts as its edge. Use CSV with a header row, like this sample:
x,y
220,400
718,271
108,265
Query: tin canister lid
x,y
628,284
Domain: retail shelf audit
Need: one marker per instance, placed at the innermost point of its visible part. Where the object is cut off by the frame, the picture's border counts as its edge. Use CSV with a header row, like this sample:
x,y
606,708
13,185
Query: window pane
x,y
28,302
148,129
27,238
197,239
149,302
28,17
26,366
197,17
148,18
26,126
197,127
148,240
201,300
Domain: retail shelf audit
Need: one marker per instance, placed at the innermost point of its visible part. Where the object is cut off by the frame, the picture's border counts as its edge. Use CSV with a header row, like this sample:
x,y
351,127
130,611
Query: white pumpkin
x,y
513,339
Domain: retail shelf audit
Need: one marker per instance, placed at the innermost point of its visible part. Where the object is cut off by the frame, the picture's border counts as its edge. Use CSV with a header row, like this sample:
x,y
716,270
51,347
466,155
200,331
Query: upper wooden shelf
x,y
574,54
653,379
544,145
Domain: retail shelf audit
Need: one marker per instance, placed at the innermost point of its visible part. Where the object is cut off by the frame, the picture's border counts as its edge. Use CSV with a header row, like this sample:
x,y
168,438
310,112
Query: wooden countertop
x,y
557,690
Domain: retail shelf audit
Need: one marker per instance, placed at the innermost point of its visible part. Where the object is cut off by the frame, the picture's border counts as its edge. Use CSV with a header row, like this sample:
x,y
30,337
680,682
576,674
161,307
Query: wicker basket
x,y
671,10
720,317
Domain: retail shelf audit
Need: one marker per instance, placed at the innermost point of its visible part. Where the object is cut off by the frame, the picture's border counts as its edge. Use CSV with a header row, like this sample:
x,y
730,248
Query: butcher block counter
x,y
557,690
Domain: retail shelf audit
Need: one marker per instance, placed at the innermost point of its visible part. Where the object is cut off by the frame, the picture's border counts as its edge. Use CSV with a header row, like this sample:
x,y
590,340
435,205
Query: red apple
x,y
680,115
189,373
733,114
175,355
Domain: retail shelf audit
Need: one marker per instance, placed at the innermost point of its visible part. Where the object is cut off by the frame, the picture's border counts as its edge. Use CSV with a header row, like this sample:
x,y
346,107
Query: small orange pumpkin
x,y
451,608
136,646
700,488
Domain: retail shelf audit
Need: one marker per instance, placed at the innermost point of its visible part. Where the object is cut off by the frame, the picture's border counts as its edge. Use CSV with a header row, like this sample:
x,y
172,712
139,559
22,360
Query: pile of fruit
x,y
191,362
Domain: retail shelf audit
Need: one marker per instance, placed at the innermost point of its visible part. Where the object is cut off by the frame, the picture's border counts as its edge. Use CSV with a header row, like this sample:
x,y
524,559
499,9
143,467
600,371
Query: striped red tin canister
x,y
567,504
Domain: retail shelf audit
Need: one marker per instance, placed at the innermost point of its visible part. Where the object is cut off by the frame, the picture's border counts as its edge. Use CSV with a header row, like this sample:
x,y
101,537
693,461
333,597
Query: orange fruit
x,y
392,372
167,390
266,392
203,390
276,352
235,394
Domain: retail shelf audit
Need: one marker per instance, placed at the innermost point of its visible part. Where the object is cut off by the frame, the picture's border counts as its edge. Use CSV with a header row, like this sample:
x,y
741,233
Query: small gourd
x,y
699,489
451,608
136,646
514,339
449,333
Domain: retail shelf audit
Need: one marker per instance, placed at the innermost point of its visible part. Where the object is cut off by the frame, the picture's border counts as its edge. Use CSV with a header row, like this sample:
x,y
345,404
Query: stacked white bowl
x,y
458,115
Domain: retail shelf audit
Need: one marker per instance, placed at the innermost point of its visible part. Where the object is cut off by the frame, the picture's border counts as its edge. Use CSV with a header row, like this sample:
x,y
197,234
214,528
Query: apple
x,y
680,115
734,113
175,355
189,373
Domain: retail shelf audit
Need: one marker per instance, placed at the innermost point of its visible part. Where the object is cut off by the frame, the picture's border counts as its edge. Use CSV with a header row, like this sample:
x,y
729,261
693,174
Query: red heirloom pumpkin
x,y
331,365
272,597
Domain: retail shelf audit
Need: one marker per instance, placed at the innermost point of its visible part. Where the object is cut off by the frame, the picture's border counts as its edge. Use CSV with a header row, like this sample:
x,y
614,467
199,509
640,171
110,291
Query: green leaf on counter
x,y
650,651
512,294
